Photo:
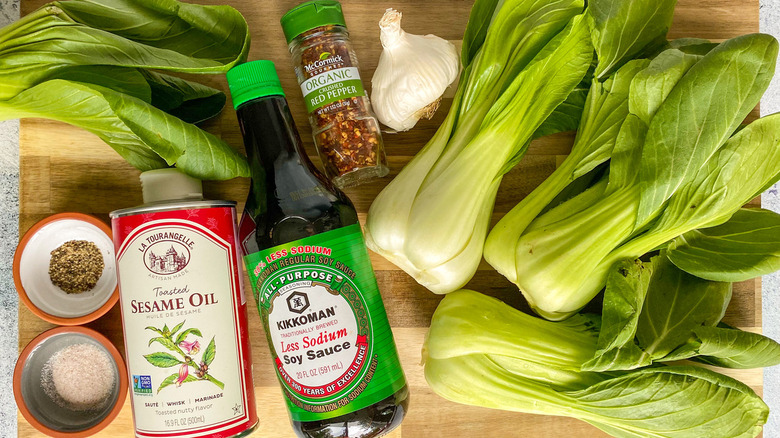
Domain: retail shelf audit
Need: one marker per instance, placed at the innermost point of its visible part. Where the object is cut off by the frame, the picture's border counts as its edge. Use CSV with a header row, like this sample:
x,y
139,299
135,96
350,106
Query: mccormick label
x,y
330,80
184,317
331,344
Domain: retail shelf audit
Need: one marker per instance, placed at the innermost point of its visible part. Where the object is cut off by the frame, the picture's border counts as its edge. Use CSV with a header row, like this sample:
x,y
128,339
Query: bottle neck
x,y
269,132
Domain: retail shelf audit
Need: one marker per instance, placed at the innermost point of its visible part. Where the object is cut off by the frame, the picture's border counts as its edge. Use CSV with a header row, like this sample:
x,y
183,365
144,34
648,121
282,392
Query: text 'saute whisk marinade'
x,y
184,312
330,340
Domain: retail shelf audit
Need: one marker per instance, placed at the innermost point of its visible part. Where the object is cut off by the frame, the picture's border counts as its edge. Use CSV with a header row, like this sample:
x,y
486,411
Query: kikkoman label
x,y
331,343
184,318
331,86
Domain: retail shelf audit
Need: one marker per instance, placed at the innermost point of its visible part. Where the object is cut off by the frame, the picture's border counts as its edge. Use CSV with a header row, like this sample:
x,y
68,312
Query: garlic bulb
x,y
412,74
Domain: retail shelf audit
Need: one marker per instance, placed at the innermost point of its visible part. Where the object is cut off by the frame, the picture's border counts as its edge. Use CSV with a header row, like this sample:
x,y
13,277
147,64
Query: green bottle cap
x,y
307,16
253,79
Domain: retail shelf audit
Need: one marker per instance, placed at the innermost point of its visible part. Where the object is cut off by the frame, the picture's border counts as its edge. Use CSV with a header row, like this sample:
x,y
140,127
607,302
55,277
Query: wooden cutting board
x,y
66,169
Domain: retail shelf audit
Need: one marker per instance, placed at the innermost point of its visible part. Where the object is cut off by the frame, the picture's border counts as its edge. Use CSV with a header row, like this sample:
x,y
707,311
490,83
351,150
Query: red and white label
x,y
184,318
315,335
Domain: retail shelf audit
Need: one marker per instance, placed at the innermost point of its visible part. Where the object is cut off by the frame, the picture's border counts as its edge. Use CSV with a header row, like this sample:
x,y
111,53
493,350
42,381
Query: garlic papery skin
x,y
412,74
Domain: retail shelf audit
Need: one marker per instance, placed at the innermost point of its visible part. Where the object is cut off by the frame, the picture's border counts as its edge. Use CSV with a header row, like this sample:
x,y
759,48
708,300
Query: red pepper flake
x,y
347,133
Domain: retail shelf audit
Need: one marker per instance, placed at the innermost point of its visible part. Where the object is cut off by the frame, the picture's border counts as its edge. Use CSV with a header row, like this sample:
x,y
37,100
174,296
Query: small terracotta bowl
x,y
31,270
40,410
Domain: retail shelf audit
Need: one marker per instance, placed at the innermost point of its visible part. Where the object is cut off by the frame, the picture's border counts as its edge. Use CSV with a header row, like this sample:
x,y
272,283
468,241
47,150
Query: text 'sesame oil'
x,y
184,317
330,340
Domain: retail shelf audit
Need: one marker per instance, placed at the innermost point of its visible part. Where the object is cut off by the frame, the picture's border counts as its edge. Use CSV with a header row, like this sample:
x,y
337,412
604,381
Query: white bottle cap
x,y
169,185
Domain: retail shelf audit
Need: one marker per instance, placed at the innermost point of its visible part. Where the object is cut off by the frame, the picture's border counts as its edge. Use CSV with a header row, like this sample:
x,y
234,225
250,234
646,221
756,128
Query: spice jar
x,y
346,131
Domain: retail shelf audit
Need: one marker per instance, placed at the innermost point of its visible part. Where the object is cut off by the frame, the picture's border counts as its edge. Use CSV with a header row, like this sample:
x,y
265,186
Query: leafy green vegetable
x,y
654,312
189,101
161,35
146,137
621,30
468,323
476,29
562,265
500,143
605,110
626,290
743,167
567,115
534,55
699,115
481,352
652,86
746,246
693,46
731,348
86,63
678,402
676,304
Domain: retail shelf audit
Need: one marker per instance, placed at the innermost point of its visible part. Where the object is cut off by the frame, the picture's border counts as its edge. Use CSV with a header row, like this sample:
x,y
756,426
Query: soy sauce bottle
x,y
315,289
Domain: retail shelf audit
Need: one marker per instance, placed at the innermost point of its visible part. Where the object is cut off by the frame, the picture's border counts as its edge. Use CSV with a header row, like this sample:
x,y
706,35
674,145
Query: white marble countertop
x,y
769,22
9,229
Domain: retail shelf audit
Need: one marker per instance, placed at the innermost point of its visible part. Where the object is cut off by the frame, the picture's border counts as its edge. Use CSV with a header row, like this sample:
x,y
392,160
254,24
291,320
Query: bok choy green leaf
x,y
145,136
605,109
88,62
745,247
654,312
731,348
676,303
161,35
703,111
621,30
627,286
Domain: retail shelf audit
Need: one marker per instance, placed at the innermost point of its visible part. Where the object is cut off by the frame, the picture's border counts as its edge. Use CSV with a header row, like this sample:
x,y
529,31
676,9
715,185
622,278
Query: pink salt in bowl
x,y
38,395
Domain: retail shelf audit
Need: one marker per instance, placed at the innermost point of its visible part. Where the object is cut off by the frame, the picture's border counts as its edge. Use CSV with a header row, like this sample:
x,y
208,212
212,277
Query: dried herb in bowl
x,y
76,266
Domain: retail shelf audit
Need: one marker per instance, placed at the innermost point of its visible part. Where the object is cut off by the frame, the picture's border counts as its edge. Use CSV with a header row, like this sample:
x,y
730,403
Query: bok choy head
x,y
691,175
482,352
431,220
617,38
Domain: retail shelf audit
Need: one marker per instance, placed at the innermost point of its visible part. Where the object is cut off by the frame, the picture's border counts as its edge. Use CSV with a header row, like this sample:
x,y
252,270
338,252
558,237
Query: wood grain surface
x,y
66,169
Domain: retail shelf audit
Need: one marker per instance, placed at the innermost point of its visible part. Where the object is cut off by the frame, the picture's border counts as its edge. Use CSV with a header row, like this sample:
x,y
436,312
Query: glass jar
x,y
346,131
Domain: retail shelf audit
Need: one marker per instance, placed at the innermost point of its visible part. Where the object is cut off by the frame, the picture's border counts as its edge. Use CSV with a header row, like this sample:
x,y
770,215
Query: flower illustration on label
x,y
184,372
184,351
166,257
190,347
